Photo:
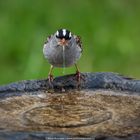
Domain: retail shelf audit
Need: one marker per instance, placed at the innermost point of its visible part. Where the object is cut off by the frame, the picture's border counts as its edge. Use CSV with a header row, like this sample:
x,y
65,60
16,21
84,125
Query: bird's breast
x,y
59,57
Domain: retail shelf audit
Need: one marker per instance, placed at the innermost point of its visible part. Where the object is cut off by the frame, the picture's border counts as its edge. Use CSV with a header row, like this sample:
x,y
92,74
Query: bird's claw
x,y
79,76
50,78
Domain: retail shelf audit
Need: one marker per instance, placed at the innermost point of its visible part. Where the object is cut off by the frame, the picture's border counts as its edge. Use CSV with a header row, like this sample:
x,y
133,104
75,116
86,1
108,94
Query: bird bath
x,y
31,109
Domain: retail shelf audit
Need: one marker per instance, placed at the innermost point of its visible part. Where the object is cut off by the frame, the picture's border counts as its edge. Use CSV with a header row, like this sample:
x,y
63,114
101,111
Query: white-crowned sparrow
x,y
62,49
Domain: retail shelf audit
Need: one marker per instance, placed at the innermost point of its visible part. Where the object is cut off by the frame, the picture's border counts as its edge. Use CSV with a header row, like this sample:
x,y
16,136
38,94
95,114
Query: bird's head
x,y
63,36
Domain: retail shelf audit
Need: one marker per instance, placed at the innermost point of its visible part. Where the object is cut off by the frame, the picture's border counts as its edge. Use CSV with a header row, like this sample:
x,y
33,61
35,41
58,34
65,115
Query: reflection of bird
x,y
62,49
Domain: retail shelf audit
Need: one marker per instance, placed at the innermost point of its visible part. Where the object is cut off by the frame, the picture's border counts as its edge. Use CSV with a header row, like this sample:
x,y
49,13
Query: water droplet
x,y
63,59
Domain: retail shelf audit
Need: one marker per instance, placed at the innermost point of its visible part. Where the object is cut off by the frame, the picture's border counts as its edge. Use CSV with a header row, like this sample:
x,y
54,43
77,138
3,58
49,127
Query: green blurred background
x,y
110,31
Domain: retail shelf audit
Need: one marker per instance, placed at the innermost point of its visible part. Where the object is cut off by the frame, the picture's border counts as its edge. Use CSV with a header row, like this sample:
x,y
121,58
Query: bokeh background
x,y
110,31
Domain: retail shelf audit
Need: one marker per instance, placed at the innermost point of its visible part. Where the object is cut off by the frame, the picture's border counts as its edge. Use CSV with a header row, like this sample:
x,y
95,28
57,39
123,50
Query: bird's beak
x,y
62,42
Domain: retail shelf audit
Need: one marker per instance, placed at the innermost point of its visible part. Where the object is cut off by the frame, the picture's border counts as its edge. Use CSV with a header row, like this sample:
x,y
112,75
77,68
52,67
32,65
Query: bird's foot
x,y
50,82
50,78
79,76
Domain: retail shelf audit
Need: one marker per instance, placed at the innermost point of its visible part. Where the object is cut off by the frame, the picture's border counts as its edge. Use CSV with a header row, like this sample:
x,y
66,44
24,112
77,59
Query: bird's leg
x,y
78,75
50,76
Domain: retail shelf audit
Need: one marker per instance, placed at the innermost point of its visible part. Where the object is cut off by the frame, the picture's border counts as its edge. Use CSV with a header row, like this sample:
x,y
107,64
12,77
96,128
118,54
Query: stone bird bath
x,y
103,106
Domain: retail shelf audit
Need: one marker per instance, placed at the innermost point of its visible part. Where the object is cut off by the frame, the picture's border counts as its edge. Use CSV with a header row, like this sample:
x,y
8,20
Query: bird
x,y
63,49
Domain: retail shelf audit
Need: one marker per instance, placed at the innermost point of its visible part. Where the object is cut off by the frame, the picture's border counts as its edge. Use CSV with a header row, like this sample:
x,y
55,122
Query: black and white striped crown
x,y
63,33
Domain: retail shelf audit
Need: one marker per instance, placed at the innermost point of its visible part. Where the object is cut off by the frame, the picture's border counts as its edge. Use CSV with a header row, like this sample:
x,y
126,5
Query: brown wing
x,y
79,42
48,38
